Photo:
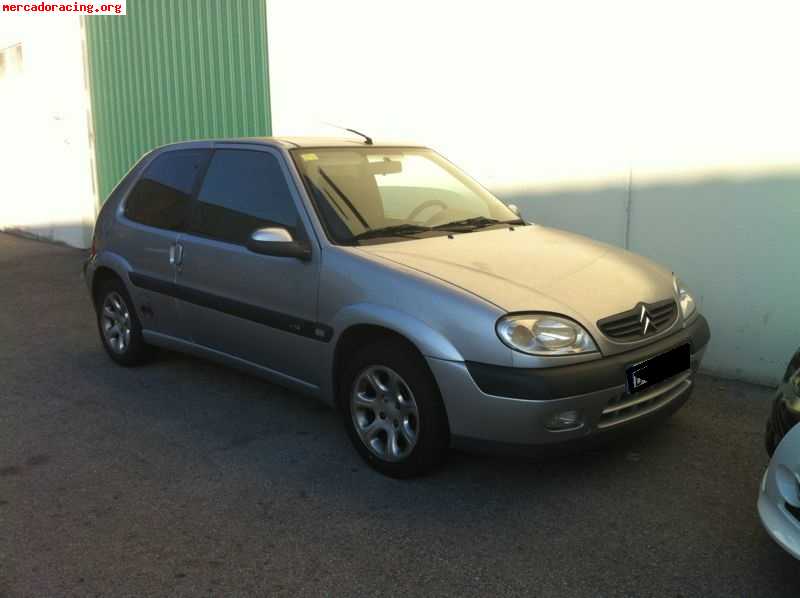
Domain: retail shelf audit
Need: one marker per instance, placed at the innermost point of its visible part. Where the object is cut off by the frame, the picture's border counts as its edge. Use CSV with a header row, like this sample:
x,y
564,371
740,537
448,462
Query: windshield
x,y
386,194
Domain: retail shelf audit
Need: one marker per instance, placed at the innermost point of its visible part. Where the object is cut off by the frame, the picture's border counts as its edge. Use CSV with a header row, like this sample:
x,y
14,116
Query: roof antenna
x,y
367,139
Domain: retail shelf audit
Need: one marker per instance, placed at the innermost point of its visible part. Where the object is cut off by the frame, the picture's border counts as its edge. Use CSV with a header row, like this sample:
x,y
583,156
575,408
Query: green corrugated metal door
x,y
168,71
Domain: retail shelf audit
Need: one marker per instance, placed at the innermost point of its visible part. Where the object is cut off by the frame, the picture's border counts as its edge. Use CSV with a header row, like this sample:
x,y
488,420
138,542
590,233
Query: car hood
x,y
534,268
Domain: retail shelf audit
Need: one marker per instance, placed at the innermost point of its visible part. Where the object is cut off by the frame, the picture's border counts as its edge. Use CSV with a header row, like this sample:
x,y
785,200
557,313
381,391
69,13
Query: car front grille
x,y
627,407
630,325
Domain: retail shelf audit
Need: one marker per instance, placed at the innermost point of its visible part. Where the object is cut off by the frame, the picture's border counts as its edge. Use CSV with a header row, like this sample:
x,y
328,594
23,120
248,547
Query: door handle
x,y
176,254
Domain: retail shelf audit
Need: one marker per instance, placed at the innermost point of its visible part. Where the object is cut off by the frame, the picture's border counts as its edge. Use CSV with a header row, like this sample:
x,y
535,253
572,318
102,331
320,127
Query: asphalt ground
x,y
186,478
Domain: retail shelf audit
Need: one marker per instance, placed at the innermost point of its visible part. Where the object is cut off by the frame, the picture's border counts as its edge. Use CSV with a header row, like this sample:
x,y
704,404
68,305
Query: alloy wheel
x,y
116,322
384,413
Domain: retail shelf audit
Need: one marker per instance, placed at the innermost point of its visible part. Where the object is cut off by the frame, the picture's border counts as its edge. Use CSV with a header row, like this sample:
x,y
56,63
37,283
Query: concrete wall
x,y
686,111
45,159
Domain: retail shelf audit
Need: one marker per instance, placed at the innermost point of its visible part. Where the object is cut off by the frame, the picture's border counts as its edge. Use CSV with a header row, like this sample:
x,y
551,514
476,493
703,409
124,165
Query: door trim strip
x,y
274,319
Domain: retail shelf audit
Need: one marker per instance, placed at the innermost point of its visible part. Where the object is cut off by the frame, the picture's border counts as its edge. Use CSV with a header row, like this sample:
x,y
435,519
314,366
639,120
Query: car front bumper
x,y
779,496
499,407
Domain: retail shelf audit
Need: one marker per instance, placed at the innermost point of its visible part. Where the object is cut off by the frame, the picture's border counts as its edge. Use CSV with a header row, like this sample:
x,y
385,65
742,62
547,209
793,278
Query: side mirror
x,y
277,242
513,207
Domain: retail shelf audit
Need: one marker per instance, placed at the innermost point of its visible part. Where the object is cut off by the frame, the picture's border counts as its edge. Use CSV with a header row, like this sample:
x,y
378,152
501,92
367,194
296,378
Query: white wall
x,y
45,170
687,110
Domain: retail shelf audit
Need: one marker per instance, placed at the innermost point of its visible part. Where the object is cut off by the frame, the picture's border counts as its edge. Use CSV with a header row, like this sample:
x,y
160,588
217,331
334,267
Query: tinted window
x,y
242,192
161,197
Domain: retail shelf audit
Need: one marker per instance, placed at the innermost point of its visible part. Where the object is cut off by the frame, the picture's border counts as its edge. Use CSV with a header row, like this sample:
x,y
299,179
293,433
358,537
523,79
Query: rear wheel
x,y
393,411
119,327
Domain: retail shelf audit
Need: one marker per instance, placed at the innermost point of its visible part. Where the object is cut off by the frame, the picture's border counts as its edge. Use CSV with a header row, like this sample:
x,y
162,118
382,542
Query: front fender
x,y
430,342
427,340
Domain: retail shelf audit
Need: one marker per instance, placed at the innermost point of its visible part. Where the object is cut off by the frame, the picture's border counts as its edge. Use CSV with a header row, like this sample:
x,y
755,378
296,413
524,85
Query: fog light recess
x,y
564,420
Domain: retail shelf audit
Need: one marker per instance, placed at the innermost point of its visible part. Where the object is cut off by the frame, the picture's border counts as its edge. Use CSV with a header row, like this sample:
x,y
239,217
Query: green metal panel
x,y
169,71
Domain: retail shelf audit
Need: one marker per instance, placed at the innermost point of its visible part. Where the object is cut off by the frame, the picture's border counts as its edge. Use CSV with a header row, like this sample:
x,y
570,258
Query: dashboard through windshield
x,y
381,194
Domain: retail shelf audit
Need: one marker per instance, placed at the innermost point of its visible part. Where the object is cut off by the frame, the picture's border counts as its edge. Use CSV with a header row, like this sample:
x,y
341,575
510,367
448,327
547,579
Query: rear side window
x,y
242,192
162,196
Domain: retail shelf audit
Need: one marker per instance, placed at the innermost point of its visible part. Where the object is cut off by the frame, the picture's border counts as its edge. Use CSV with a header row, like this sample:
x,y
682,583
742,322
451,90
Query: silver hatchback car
x,y
383,280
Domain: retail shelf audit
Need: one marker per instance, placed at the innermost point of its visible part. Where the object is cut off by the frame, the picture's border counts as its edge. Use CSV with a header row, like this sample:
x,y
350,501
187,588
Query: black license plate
x,y
659,368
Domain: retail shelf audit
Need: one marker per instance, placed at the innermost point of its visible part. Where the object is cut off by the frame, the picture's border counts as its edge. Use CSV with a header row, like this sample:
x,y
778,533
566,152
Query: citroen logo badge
x,y
645,321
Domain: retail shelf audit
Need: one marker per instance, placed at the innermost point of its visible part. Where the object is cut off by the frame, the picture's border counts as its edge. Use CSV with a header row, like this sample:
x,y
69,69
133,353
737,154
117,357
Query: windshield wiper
x,y
474,223
397,230
344,197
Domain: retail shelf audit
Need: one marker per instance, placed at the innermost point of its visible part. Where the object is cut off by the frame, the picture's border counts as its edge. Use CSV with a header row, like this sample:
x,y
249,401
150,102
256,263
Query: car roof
x,y
288,142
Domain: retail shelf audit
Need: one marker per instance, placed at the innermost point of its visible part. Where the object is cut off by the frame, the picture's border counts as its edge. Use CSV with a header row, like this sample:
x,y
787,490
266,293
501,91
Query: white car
x,y
779,499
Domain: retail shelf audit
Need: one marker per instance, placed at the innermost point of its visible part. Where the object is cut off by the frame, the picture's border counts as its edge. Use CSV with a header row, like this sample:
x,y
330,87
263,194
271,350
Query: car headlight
x,y
794,366
794,383
685,299
793,402
544,334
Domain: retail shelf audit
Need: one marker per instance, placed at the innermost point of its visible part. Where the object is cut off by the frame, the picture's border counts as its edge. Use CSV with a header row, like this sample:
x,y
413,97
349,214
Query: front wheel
x,y
393,411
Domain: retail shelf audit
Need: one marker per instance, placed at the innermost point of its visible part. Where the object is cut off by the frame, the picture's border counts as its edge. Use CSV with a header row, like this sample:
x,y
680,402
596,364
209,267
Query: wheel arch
x,y
107,266
362,324
101,275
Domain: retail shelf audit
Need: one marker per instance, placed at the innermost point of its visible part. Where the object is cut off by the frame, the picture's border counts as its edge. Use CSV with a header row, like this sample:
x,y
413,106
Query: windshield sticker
x,y
309,157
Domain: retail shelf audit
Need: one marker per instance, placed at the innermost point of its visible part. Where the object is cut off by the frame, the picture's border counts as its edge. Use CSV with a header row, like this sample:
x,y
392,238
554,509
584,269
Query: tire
x,y
387,391
769,440
113,307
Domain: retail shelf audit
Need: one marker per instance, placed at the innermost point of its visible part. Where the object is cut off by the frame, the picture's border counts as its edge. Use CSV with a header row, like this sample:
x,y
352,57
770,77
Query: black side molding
x,y
541,384
246,311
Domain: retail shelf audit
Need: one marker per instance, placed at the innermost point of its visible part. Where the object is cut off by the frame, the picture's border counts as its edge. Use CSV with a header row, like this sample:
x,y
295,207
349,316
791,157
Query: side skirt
x,y
176,344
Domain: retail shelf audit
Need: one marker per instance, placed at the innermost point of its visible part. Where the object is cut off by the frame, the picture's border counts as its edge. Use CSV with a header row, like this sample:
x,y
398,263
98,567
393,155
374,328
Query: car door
x,y
152,215
256,307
